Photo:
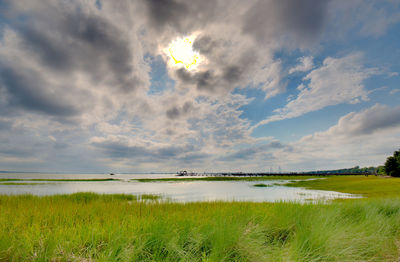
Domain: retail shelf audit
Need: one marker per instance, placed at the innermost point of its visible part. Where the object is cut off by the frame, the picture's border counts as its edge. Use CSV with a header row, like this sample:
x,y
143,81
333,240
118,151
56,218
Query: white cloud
x,y
305,64
394,91
337,81
363,138
74,80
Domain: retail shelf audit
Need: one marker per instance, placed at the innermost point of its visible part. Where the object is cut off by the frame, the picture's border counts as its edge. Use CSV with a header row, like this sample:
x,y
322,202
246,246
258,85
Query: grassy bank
x,y
85,227
371,186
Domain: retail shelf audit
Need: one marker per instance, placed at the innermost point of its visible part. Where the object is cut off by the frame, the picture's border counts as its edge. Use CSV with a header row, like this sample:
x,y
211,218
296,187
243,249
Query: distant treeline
x,y
353,170
345,171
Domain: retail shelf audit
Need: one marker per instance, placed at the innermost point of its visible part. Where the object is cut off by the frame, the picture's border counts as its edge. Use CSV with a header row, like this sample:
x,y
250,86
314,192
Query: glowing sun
x,y
182,54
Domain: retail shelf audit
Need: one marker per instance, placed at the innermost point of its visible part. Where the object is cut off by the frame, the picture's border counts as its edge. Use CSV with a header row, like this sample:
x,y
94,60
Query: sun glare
x,y
182,54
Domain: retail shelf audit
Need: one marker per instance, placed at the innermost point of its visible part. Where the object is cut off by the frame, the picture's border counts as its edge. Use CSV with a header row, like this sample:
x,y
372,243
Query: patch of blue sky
x,y
289,58
385,92
289,130
98,4
385,51
1,33
160,81
382,52
292,129
259,108
3,19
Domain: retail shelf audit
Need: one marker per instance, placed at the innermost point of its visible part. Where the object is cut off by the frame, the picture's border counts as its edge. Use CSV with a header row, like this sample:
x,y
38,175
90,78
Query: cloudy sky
x,y
203,85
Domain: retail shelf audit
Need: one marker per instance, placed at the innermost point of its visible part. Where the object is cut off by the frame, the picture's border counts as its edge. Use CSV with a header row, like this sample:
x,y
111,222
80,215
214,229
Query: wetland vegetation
x,y
371,186
88,226
262,185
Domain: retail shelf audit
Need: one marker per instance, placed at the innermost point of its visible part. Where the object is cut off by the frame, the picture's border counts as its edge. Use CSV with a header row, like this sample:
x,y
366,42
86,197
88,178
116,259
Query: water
x,y
185,191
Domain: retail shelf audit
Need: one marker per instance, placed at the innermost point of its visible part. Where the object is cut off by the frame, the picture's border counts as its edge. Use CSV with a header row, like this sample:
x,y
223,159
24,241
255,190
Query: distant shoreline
x,y
240,174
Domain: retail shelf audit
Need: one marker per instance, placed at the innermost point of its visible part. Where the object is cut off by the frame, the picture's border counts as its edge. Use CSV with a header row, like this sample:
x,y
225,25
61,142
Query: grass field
x,y
86,227
371,186
92,227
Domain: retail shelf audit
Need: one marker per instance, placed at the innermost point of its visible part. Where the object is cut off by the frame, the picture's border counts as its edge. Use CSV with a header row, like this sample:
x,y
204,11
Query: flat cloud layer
x,y
78,81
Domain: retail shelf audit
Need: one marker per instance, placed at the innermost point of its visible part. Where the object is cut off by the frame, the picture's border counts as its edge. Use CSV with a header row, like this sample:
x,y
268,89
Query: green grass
x,y
91,227
262,185
59,180
371,186
221,178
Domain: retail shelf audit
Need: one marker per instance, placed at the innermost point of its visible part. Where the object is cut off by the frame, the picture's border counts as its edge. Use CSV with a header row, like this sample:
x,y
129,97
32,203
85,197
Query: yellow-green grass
x,y
90,227
223,178
368,186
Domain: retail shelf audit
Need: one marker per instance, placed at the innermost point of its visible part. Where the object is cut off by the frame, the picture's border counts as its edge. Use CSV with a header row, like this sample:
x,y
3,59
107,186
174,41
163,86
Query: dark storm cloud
x,y
166,12
203,80
204,44
185,75
183,16
302,19
175,112
49,51
27,89
79,41
232,74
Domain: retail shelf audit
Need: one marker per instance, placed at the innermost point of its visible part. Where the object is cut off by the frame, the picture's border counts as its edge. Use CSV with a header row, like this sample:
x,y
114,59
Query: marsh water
x,y
176,191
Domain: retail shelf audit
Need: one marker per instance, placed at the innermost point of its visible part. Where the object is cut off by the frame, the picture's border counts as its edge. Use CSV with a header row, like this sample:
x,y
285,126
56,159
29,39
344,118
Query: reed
x,y
92,227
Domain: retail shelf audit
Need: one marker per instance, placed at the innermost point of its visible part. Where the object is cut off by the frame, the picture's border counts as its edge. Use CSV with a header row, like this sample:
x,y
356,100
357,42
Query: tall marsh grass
x,y
90,227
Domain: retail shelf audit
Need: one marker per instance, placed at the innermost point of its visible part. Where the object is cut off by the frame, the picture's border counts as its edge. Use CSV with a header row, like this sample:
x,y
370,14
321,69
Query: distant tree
x,y
380,170
392,165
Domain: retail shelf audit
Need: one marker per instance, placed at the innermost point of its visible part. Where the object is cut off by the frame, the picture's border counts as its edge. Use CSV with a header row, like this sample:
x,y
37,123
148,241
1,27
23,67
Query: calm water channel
x,y
185,191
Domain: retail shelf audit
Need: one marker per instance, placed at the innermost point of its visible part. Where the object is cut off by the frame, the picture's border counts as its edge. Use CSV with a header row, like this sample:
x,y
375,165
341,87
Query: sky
x,y
203,85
